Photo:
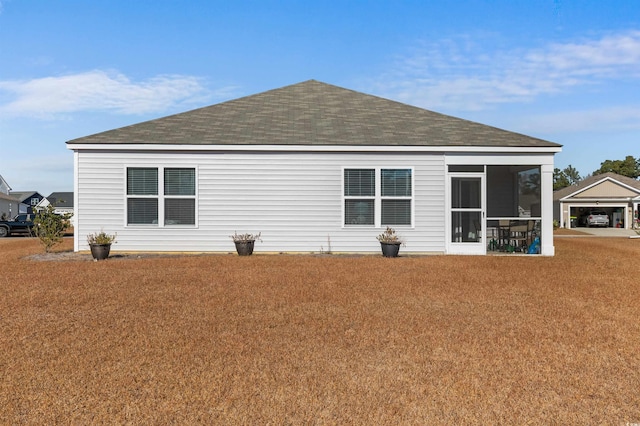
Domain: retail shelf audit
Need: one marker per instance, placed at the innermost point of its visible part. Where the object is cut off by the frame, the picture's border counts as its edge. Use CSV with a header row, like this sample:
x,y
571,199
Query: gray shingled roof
x,y
585,183
23,195
313,113
61,199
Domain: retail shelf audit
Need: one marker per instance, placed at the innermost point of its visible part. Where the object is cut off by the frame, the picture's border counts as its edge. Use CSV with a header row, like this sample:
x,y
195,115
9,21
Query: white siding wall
x,y
294,199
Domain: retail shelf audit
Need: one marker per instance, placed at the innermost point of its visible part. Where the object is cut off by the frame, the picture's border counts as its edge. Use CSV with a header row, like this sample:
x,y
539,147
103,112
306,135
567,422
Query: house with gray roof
x,y
616,195
314,168
27,200
62,203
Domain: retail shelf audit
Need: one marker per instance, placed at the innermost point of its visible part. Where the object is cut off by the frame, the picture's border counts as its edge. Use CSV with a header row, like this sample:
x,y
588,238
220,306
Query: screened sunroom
x,y
496,209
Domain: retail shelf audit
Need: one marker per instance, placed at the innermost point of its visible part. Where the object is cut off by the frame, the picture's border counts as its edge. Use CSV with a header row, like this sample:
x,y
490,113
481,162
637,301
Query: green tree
x,y
49,226
629,167
560,180
572,174
567,177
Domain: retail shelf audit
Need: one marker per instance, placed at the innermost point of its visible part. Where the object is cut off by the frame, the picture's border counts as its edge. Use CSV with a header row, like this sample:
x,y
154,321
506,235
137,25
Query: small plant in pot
x,y
245,242
100,244
390,242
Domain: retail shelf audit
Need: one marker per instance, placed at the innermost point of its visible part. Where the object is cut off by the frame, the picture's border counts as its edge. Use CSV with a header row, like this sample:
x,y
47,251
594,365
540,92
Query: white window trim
x,y
377,198
160,196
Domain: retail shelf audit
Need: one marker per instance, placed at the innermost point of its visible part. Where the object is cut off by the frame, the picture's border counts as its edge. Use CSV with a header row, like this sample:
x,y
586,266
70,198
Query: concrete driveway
x,y
609,232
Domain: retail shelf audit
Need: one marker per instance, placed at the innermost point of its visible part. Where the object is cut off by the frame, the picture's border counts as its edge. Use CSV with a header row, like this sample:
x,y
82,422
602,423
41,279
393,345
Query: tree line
x,y
629,167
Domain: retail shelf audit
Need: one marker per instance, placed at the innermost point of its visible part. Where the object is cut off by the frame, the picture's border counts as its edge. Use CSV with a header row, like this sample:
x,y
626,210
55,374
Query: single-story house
x,y
62,202
314,168
618,196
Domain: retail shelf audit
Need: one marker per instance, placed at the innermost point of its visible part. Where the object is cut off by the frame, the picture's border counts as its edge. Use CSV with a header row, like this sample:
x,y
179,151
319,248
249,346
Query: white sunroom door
x,y
467,215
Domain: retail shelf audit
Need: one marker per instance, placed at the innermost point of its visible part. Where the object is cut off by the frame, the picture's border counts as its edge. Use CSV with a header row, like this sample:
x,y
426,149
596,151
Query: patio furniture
x,y
503,233
518,235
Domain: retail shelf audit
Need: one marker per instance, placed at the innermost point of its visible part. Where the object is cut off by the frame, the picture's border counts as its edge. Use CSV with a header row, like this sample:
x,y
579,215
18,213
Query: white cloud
x,y
100,90
463,75
601,120
608,56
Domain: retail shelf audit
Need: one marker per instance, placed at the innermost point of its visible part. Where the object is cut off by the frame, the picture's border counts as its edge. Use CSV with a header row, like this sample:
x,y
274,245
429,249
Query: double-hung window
x,y
161,196
378,196
396,196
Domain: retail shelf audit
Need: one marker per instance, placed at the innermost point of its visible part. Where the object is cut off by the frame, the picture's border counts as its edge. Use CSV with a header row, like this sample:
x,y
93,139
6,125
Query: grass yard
x,y
222,339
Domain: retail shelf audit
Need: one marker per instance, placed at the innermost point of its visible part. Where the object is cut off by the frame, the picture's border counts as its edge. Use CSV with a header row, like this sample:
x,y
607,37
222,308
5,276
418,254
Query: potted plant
x,y
389,242
245,242
100,244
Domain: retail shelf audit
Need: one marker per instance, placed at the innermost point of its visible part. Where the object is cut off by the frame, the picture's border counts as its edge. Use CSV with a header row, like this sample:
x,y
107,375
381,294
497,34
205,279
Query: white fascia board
x,y
590,199
544,159
599,200
315,148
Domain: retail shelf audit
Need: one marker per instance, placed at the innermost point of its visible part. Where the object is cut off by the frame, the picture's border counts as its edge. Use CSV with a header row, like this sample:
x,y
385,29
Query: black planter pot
x,y
390,249
244,248
100,251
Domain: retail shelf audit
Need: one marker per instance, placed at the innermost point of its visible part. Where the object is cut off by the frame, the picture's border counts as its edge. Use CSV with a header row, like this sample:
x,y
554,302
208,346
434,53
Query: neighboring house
x,y
314,167
4,186
617,195
28,200
8,206
62,201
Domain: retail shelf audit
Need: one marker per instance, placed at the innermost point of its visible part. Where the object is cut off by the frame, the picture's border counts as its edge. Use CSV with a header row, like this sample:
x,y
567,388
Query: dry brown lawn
x,y
280,339
565,231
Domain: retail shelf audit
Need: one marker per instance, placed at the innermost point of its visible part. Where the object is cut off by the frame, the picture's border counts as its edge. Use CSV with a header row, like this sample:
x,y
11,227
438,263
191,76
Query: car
x,y
597,218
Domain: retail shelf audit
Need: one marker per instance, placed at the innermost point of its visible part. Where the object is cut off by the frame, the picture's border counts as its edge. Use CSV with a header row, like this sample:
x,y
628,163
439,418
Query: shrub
x,y
49,226
389,236
101,238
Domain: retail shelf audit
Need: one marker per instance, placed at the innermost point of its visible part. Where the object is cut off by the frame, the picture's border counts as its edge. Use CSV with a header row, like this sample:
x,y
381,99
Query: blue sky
x,y
564,71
